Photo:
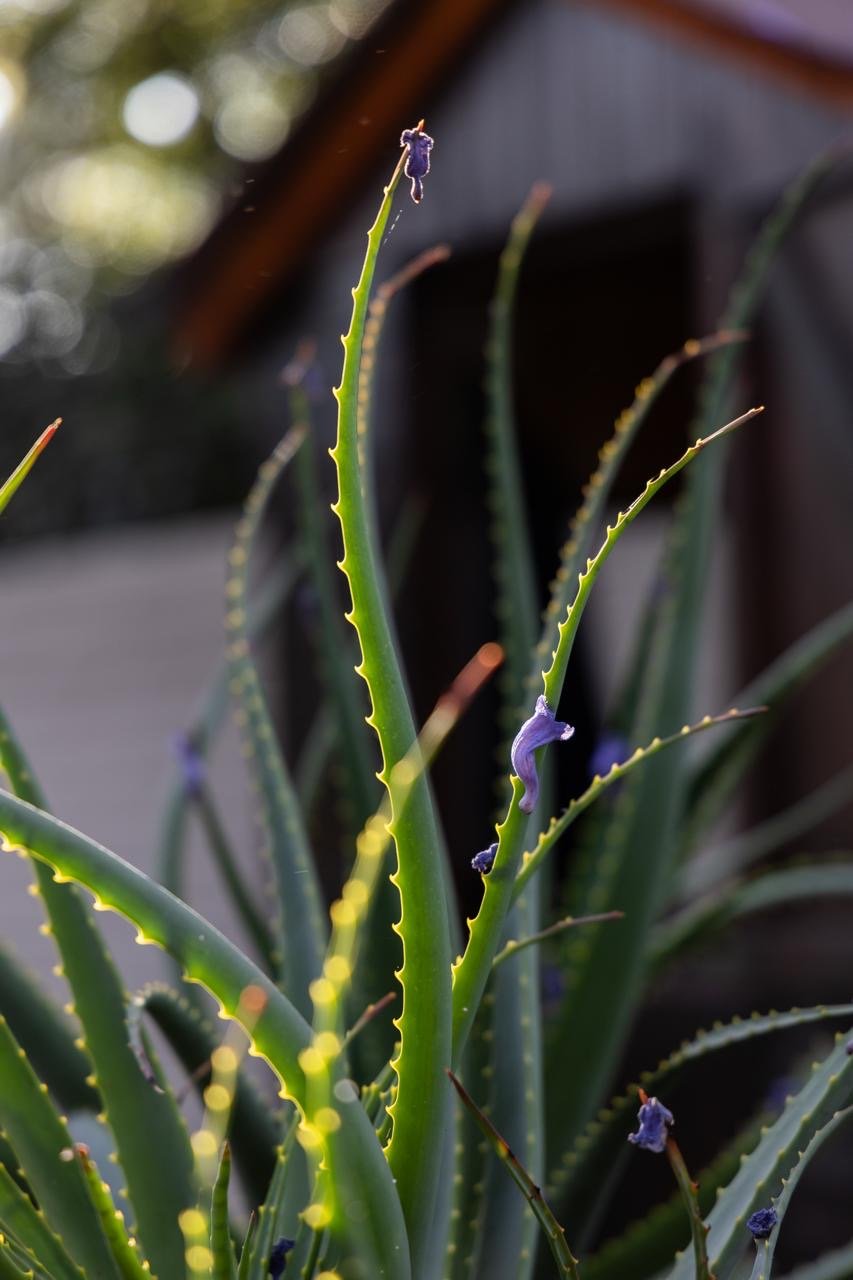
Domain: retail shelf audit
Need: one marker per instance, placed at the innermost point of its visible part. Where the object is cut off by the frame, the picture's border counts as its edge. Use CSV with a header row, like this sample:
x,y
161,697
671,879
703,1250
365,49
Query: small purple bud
x,y
762,1223
193,769
278,1256
419,145
610,749
654,1120
540,729
485,859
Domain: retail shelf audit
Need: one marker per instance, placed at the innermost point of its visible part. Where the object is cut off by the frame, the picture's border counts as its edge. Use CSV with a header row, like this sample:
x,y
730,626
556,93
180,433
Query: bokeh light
x,y
161,110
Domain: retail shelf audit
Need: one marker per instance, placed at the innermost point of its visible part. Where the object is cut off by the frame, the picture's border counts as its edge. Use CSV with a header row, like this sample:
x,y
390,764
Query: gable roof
x,y
392,75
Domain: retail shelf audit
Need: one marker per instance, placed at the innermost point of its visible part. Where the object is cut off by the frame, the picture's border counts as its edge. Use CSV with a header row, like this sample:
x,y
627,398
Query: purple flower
x,y
191,761
485,859
654,1120
535,732
278,1256
419,145
762,1223
610,749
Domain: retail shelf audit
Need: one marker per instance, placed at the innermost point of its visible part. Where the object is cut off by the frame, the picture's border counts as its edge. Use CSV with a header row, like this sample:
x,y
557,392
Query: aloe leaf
x,y
46,1037
735,855
279,1034
471,972
793,884
471,1154
553,1232
194,1038
39,1138
25,466
18,1216
420,1111
224,1266
714,779
112,1222
274,1218
302,924
245,1252
357,750
10,1268
238,893
584,1169
837,1264
151,1138
827,1090
531,861
647,1246
765,1249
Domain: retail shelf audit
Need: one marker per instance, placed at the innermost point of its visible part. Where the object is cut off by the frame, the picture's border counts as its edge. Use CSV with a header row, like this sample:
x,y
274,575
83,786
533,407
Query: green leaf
x,y
224,1264
765,1249
782,885
302,927
112,1222
194,1038
420,1111
551,1229
19,1217
25,466
40,1139
715,778
827,1090
46,1037
584,1170
835,1265
151,1139
278,1034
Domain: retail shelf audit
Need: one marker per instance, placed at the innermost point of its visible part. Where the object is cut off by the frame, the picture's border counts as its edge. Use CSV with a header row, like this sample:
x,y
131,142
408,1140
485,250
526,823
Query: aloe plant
x,y
478,1146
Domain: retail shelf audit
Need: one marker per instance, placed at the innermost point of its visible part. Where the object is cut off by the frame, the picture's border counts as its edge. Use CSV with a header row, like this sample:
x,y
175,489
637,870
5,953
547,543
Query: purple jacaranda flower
x,y
535,732
485,859
193,768
654,1120
278,1257
762,1223
610,749
419,145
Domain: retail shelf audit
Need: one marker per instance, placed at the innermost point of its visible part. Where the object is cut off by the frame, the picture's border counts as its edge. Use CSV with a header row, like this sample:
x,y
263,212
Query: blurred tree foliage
x,y
123,128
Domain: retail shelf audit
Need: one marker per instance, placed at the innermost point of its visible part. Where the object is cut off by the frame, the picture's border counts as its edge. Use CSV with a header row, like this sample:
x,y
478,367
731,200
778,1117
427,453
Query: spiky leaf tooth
x,y
828,1089
122,1247
471,972
471,1155
194,1038
301,927
787,825
583,1171
551,1229
414,1151
11,486
12,1267
765,1249
46,1036
648,1245
151,1138
44,1147
785,884
278,1034
19,1218
713,780
224,1264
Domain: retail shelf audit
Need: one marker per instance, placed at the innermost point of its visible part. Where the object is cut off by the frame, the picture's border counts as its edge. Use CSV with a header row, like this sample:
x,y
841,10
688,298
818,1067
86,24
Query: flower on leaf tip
x,y
655,1120
485,859
762,1223
540,729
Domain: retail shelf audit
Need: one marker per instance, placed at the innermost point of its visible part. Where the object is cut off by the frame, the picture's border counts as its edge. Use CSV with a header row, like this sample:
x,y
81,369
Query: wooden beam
x,y
807,68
